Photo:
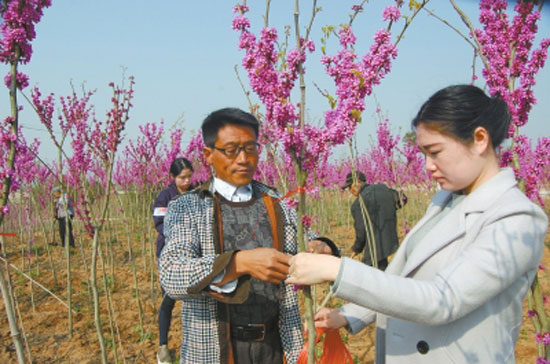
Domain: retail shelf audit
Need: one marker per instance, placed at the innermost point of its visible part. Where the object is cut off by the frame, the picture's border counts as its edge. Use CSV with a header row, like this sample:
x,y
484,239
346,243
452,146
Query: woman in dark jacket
x,y
181,170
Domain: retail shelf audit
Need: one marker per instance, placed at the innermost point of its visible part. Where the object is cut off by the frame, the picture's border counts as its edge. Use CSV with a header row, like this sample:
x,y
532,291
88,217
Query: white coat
x,y
460,300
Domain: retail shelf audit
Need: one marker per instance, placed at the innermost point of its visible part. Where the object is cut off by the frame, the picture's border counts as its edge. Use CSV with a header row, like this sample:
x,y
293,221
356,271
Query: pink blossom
x,y
18,28
347,38
306,221
391,13
543,338
5,210
240,23
22,80
507,47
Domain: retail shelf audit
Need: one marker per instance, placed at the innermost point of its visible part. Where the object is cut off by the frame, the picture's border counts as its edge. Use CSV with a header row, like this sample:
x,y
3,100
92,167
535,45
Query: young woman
x,y
453,292
181,170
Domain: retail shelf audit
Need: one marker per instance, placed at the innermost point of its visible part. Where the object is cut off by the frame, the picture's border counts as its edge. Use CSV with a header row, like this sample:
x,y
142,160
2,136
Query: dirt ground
x,y
46,324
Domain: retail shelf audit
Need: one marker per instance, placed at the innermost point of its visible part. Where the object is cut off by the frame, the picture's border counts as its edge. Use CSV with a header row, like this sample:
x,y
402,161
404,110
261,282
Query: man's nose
x,y
241,156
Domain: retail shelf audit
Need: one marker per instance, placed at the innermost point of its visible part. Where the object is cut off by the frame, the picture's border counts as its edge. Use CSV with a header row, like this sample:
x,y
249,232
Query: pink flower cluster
x,y
543,338
193,152
533,164
94,143
24,167
386,162
17,27
273,77
19,18
21,80
147,159
507,47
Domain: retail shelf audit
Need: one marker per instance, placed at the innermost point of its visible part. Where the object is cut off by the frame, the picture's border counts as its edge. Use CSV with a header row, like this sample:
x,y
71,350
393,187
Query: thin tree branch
x,y
35,282
470,26
266,15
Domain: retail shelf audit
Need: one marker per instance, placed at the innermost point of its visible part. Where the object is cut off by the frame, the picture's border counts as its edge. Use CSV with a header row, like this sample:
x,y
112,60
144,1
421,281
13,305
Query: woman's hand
x,y
330,318
308,268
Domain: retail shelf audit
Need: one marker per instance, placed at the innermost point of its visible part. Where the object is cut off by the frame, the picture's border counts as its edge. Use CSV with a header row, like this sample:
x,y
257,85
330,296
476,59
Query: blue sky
x,y
182,55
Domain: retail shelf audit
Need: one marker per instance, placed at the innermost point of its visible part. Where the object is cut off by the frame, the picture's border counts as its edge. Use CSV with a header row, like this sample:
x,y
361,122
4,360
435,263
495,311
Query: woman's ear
x,y
482,140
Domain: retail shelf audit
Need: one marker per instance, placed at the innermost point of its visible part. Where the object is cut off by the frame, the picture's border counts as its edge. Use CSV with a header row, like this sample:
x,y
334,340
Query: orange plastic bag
x,y
334,350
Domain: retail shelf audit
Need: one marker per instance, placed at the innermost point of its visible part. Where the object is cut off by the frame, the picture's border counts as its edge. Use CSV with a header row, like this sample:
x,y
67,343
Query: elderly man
x,y
227,254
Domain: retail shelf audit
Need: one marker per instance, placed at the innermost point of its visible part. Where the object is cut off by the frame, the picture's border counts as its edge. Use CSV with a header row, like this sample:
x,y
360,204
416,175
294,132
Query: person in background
x,y
380,202
181,172
64,213
453,292
228,244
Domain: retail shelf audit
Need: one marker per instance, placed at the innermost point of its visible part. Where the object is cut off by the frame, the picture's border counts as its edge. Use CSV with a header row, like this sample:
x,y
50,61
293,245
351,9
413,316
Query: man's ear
x,y
482,140
207,153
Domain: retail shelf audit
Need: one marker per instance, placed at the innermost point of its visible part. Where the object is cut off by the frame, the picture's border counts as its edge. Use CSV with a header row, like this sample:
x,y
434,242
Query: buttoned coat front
x,y
460,299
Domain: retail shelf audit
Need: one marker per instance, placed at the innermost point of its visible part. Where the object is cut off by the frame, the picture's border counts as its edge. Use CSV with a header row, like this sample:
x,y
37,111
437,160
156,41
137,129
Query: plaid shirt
x,y
188,259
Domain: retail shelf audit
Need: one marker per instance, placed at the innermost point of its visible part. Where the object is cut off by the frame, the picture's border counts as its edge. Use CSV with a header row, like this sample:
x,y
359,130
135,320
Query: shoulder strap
x,y
270,207
218,225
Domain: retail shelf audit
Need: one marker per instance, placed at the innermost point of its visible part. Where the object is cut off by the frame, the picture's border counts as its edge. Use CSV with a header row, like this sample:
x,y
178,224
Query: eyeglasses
x,y
232,151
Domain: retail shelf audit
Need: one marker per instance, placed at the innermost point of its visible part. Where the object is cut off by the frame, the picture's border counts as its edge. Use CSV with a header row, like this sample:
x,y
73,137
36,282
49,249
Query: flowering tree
x,y
510,60
148,159
94,144
18,30
273,74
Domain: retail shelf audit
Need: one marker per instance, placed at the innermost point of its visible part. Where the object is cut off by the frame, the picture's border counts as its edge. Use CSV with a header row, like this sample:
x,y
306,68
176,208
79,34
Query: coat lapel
x,y
400,259
447,230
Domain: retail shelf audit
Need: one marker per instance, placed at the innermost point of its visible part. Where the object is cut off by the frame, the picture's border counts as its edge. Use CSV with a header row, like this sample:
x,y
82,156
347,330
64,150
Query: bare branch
x,y
253,107
470,26
35,282
409,21
314,12
266,15
431,13
357,10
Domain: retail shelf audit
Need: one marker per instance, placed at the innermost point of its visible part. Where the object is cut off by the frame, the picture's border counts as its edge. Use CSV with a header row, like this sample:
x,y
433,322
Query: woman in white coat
x,y
453,292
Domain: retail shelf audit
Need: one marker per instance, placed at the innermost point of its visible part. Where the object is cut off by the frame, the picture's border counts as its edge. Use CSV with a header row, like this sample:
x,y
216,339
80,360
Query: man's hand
x,y
318,247
265,264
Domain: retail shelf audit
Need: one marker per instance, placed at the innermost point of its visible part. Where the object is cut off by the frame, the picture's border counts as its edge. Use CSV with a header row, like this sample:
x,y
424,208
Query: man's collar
x,y
231,192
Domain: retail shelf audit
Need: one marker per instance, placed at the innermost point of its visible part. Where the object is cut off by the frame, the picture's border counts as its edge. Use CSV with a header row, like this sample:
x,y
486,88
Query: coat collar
x,y
454,224
206,189
486,194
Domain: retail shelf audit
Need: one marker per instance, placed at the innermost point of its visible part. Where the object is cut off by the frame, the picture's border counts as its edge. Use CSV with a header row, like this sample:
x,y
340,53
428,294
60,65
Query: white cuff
x,y
226,288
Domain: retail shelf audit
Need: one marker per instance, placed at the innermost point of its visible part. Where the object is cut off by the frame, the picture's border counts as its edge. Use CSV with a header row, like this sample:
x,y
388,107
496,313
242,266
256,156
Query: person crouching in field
x,y
181,171
227,254
453,291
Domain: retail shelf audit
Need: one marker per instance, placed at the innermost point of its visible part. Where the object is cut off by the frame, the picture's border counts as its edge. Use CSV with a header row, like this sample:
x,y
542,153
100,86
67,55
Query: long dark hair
x,y
178,165
458,110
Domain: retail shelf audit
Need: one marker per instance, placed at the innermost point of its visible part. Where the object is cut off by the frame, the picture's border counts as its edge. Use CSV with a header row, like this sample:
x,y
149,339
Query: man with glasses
x,y
227,255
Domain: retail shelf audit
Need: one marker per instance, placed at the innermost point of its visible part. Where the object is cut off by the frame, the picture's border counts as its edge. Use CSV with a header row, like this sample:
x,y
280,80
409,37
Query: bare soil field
x,y
45,319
